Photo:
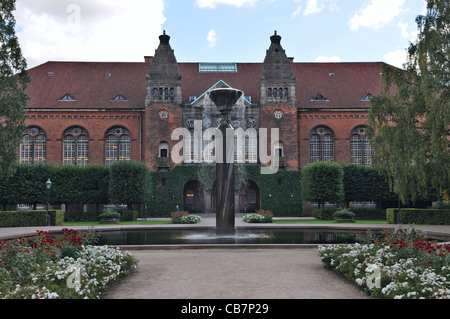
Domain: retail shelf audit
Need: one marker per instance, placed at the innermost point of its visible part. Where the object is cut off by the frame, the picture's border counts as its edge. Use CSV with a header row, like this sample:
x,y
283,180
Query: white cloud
x,y
377,14
212,38
396,58
404,29
328,59
296,12
101,30
213,3
313,7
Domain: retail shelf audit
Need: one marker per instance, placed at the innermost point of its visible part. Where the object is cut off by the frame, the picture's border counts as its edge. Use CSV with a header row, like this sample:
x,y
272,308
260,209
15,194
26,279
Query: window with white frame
x,y
33,146
76,146
117,145
321,144
360,148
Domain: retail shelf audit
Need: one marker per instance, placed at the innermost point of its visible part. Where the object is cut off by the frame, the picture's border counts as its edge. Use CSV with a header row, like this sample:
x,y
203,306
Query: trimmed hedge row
x,y
125,215
418,216
360,213
31,218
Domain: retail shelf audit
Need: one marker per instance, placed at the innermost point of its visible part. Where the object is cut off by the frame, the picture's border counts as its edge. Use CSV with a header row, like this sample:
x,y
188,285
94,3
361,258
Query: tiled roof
x,y
96,84
342,84
92,84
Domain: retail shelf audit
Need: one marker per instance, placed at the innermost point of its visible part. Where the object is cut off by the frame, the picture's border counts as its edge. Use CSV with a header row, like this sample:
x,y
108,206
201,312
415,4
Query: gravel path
x,y
233,274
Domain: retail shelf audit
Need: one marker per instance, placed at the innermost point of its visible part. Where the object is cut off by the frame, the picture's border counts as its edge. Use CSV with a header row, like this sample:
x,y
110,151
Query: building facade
x,y
90,112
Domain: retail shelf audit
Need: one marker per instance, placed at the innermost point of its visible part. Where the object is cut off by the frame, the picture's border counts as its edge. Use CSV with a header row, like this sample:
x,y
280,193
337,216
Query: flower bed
x,y
68,268
399,264
183,217
262,216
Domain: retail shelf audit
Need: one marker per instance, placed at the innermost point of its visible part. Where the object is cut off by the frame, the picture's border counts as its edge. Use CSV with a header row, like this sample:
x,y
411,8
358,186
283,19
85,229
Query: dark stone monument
x,y
225,99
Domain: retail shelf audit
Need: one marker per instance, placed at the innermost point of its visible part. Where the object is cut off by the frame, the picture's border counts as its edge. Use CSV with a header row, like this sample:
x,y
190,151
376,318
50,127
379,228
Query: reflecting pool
x,y
242,236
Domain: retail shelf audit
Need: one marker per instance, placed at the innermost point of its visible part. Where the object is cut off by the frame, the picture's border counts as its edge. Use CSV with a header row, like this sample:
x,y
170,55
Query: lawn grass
x,y
318,221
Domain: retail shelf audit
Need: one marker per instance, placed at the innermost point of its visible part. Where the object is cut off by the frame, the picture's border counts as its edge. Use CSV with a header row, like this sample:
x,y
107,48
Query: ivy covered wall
x,y
280,192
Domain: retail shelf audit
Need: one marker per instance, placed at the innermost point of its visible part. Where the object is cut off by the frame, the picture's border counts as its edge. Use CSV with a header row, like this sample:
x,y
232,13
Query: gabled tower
x,y
164,76
277,82
162,106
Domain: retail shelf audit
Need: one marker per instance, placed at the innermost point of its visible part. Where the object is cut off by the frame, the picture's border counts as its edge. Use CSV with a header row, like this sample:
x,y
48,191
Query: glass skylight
x,y
218,68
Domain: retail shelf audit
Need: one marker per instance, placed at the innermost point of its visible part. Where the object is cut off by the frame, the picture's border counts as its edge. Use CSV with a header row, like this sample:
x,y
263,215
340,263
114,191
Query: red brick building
x,y
88,112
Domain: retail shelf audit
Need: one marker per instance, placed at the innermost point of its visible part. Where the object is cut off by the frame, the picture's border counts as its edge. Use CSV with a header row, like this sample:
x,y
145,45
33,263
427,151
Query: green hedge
x,y
88,216
360,213
418,216
128,215
31,218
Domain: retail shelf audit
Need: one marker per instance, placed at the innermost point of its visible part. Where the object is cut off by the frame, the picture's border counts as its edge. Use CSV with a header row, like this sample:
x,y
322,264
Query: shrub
x,y
261,217
418,216
323,214
31,218
128,215
176,216
189,219
109,215
267,214
344,216
183,217
254,218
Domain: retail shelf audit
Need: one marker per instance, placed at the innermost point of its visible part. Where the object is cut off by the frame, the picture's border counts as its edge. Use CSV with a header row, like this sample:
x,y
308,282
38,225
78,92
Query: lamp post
x,y
49,185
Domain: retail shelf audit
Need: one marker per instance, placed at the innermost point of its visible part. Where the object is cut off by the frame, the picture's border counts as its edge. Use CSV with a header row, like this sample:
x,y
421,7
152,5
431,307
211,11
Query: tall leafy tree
x,y
129,183
411,118
13,83
323,182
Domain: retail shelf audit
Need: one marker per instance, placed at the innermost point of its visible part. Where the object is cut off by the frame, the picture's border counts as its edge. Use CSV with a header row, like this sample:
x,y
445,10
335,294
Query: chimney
x,y
148,59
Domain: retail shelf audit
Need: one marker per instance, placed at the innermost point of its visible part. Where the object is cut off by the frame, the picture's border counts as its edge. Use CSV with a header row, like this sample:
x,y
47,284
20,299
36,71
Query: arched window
x,y
321,144
33,146
117,145
360,148
163,150
76,146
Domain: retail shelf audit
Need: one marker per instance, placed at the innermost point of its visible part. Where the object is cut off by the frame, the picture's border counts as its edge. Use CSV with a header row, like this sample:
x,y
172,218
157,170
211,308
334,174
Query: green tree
x,y
363,183
95,184
13,83
411,118
129,183
323,182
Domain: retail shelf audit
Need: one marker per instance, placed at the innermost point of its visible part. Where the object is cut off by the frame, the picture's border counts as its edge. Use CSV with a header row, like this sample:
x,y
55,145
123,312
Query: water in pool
x,y
194,237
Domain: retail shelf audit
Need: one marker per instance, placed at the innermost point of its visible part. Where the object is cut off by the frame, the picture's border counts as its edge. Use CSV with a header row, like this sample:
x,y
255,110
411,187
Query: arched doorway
x,y
193,197
249,196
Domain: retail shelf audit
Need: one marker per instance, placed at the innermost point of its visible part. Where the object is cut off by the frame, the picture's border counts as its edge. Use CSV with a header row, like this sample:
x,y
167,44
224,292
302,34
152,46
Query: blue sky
x,y
217,30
